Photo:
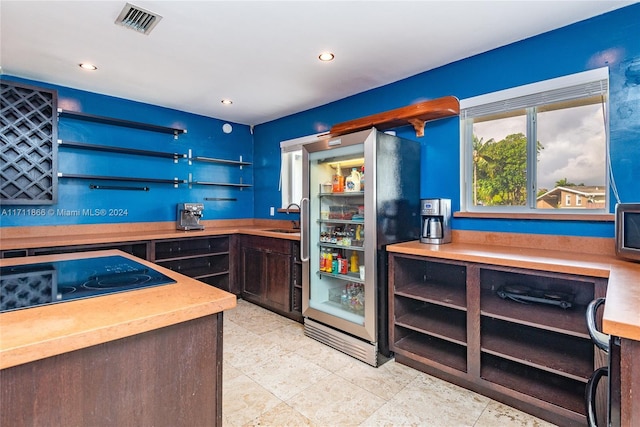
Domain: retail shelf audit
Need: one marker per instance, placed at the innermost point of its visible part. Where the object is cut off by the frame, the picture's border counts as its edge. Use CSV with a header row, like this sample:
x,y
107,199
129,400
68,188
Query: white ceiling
x,y
262,54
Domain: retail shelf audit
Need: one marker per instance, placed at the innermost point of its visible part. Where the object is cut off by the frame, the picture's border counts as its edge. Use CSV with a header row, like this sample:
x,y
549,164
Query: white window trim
x,y
581,78
537,87
289,146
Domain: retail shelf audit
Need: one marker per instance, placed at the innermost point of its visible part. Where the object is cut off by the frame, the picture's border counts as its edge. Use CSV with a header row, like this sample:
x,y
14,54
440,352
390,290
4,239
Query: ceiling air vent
x,y
138,19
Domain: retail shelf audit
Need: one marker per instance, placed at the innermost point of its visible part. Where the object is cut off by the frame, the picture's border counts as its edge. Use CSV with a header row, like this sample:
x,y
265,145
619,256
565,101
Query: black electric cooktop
x,y
31,285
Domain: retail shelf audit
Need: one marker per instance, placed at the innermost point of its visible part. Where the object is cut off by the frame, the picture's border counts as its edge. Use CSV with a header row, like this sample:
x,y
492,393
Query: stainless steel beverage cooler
x,y
345,303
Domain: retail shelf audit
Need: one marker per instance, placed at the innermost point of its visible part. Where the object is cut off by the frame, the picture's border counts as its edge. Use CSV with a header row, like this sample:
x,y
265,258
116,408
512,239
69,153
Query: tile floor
x,y
275,376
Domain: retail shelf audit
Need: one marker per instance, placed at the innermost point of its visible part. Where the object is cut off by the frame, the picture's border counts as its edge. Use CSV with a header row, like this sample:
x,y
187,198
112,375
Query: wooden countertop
x,y
621,315
36,333
105,234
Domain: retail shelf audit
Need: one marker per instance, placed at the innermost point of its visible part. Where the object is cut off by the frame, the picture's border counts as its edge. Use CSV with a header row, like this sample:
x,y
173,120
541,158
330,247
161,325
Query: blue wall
x,y
204,137
608,40
611,39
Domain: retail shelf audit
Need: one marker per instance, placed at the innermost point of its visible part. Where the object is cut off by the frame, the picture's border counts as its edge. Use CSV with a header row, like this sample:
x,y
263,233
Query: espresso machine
x,y
436,221
188,216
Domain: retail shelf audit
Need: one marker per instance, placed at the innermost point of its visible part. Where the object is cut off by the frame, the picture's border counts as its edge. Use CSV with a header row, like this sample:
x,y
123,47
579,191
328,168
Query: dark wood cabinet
x,y
452,319
139,249
252,276
277,268
170,376
203,258
268,274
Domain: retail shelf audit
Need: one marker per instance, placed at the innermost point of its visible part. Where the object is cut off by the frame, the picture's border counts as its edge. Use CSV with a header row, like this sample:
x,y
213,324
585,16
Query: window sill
x,y
540,216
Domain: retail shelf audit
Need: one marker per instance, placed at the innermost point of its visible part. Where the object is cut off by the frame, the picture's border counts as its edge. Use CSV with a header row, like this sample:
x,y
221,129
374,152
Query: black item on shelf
x,y
116,187
524,295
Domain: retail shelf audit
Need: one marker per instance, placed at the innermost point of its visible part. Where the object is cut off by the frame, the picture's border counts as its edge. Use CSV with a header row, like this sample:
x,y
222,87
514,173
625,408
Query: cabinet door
x,y
252,273
277,280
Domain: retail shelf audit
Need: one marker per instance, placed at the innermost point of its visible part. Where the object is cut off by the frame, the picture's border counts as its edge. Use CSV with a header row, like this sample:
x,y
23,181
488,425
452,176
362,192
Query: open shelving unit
x,y
225,162
430,313
447,318
76,115
202,258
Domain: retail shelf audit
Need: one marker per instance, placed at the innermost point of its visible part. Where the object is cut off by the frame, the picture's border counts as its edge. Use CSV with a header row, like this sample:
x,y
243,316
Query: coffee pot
x,y
436,218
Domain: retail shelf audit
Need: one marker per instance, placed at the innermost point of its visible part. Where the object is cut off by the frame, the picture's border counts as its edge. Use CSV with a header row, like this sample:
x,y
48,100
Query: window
x,y
578,200
523,147
291,169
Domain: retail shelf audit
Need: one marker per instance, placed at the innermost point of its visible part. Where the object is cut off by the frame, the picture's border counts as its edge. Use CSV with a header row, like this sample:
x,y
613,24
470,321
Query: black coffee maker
x,y
436,221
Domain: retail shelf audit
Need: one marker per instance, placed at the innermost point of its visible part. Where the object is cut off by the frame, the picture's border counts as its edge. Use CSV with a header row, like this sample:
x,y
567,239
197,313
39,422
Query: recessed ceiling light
x,y
227,101
326,56
87,66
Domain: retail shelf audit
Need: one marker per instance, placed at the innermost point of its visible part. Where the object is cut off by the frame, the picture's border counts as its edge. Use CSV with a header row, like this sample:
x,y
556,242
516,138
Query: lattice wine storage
x,y
28,134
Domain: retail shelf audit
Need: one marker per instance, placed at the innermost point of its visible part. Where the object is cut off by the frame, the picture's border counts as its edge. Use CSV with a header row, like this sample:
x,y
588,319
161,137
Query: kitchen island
x,y
151,356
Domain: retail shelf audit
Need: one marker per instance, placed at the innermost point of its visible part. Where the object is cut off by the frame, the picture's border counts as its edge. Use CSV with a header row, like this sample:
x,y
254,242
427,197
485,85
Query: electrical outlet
x,y
272,211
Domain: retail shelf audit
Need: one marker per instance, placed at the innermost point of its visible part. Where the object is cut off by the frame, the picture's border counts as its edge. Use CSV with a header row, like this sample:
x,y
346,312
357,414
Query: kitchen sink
x,y
284,230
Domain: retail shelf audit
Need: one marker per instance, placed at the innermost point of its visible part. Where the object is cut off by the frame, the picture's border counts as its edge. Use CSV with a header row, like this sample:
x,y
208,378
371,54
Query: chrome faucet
x,y
296,224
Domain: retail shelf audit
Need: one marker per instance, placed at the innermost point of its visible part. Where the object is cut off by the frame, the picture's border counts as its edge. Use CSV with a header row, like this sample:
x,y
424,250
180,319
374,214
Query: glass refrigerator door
x,y
337,234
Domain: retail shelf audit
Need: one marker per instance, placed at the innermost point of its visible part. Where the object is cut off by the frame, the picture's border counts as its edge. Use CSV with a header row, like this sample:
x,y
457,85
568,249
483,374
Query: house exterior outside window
x,y
560,197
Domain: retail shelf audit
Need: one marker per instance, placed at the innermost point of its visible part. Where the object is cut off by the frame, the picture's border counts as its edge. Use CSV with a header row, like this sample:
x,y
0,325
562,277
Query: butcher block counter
x,y
16,238
140,357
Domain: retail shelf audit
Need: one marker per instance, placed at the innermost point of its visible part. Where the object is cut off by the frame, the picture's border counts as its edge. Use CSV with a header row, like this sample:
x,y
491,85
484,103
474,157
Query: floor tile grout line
x,y
481,413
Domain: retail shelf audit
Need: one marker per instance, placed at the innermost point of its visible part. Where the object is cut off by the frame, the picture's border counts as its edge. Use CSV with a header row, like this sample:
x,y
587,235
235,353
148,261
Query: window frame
x,y
289,148
509,99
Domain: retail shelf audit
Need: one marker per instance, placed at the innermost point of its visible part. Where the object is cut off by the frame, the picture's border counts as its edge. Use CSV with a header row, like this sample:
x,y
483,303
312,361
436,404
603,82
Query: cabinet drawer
x,y
184,248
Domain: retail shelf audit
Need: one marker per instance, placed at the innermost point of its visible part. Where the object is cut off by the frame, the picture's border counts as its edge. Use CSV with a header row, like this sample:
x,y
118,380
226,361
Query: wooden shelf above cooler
x,y
416,115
